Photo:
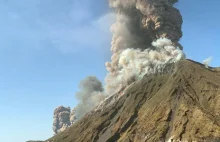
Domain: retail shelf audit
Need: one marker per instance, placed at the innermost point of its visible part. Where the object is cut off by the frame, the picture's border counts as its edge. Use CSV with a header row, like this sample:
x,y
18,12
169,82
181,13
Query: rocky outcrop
x,y
182,105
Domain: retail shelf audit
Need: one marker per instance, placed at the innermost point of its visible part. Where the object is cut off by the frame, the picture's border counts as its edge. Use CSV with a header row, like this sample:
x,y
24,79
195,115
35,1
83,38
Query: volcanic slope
x,y
182,105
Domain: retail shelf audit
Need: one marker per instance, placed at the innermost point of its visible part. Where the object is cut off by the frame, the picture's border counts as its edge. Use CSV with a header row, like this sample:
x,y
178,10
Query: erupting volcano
x,y
151,92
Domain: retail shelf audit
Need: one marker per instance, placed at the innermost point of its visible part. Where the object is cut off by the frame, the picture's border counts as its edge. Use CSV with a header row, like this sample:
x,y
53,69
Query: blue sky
x,y
48,46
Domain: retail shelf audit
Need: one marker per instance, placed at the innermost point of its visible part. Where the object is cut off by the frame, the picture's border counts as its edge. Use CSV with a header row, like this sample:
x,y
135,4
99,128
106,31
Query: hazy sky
x,y
48,46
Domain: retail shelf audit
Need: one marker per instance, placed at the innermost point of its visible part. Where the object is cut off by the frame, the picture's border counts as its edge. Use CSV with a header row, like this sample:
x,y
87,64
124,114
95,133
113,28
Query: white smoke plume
x,y
207,61
133,64
145,37
90,95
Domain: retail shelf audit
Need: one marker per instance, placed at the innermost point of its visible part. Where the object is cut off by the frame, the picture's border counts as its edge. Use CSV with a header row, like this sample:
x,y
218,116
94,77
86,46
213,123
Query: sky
x,y
48,46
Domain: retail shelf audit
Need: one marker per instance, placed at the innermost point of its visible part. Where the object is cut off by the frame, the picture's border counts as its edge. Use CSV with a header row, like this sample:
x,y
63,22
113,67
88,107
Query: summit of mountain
x,y
181,104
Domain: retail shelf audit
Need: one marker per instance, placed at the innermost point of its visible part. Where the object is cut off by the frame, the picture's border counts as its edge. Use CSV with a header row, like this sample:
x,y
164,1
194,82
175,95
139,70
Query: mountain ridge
x,y
180,105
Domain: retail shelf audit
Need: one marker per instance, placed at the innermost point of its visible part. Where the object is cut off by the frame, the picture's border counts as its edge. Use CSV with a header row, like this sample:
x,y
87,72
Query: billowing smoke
x,y
207,61
90,95
61,119
145,37
145,40
73,117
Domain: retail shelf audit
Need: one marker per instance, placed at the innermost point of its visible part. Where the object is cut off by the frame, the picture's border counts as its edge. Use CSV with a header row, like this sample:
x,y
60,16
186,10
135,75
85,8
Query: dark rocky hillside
x,y
182,105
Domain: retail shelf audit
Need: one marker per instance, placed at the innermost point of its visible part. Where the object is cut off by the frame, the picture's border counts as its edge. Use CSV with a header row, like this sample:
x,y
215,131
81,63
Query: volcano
x,y
180,104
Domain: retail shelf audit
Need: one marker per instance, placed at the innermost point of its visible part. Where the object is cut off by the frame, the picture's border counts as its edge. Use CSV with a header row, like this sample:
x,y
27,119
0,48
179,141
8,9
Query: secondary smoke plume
x,y
90,95
207,61
61,119
145,36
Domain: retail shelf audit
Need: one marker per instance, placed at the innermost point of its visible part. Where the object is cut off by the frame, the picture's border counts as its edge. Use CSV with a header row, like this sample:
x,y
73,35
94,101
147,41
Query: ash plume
x,y
73,117
90,95
145,37
61,119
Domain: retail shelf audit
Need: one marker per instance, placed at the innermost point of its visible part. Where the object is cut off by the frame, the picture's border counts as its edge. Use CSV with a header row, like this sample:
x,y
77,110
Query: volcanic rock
x,y
180,105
